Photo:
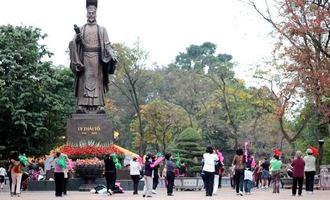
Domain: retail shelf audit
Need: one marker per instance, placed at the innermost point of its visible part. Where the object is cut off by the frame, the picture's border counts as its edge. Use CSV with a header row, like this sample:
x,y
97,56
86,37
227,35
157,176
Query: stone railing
x,y
288,182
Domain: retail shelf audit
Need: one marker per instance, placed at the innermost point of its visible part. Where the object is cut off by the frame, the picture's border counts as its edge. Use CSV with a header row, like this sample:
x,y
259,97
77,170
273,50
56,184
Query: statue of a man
x,y
92,61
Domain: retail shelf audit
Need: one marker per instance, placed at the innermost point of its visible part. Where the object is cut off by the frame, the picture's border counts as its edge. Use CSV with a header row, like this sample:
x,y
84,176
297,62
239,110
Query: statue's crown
x,y
91,3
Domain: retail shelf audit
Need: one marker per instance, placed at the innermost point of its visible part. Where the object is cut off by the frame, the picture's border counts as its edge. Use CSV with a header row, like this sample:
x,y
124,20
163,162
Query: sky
x,y
164,28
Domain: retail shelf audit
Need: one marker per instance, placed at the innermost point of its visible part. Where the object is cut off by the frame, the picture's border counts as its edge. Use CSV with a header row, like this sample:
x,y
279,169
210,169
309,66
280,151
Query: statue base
x,y
86,128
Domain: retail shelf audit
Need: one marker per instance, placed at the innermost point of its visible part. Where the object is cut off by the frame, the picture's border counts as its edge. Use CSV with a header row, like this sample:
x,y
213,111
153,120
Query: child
x,y
248,178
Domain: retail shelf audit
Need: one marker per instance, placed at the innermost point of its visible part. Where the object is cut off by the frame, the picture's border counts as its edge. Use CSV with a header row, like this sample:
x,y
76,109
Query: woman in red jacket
x,y
298,165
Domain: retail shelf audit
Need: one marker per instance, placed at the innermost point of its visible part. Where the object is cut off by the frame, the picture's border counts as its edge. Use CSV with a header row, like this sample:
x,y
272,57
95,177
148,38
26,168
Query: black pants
x,y
135,179
170,182
310,180
65,185
155,181
59,183
220,179
209,181
239,179
9,178
110,177
300,181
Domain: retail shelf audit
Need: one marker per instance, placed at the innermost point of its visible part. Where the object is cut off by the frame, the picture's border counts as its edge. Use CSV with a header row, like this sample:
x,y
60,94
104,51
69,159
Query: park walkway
x,y
224,194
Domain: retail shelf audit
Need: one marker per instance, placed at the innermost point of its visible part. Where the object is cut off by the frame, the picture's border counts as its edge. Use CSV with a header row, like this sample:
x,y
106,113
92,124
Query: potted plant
x,y
89,169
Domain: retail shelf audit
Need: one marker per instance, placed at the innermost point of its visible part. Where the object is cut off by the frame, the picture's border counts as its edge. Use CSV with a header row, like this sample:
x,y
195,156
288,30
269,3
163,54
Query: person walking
x,y
147,189
265,174
110,173
239,165
209,159
310,170
155,178
49,165
275,168
60,165
248,180
170,173
134,171
298,165
256,174
16,168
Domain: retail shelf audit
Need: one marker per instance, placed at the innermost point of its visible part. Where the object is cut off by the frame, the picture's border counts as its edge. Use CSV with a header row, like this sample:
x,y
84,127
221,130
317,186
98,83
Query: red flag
x,y
277,152
315,151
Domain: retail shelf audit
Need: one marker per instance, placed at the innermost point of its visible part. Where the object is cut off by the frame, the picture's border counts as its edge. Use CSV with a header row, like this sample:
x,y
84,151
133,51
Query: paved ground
x,y
223,194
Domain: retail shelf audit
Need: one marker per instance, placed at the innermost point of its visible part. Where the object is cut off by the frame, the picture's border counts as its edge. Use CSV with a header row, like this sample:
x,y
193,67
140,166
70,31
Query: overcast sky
x,y
164,27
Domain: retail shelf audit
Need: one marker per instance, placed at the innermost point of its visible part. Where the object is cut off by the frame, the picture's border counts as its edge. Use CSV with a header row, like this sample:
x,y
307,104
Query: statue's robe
x,y
92,59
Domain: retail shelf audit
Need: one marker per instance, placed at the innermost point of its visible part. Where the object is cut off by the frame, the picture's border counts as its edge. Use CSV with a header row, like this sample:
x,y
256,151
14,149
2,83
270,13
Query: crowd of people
x,y
268,173
20,170
149,171
246,174
15,172
212,169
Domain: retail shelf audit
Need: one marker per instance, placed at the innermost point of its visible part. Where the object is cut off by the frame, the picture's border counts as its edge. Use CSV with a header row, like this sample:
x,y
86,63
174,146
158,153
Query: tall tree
x,y
133,81
230,93
304,35
215,73
195,56
187,89
31,109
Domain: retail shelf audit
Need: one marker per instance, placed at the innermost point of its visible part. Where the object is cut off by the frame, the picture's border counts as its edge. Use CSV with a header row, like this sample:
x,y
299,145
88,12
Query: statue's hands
x,y
78,37
80,68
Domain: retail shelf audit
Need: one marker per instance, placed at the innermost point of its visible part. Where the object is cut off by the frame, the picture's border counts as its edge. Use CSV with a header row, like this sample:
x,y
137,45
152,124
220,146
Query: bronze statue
x,y
92,61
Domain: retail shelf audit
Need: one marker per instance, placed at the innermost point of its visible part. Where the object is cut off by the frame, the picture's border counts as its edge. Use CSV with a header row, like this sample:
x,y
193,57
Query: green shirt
x,y
275,165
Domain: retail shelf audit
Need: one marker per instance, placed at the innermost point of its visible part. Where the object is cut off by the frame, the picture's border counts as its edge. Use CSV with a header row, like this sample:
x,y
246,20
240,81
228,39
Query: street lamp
x,y
321,142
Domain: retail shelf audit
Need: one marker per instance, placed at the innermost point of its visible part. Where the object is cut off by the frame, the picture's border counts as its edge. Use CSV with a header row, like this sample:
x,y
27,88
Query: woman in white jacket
x,y
310,170
135,170
209,161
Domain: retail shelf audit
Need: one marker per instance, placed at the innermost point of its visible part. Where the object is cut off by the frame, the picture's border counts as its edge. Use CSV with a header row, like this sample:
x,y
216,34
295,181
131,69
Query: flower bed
x,y
96,151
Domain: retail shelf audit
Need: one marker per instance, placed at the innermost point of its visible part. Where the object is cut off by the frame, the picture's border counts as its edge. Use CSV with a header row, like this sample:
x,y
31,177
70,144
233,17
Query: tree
x,y
212,95
31,110
230,93
189,86
187,89
291,118
194,57
188,145
133,81
303,31
162,122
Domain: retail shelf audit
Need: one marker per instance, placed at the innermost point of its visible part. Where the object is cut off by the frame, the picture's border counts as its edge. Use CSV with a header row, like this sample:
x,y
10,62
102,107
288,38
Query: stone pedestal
x,y
87,128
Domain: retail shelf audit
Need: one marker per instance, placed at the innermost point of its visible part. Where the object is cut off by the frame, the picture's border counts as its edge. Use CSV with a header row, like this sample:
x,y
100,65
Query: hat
x,y
91,3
